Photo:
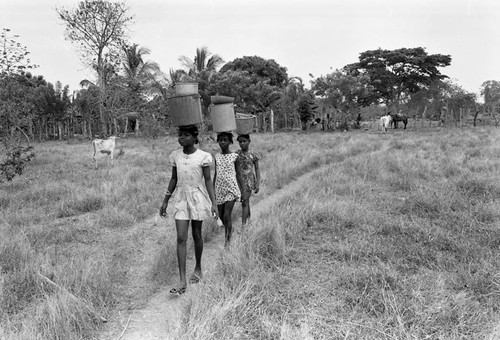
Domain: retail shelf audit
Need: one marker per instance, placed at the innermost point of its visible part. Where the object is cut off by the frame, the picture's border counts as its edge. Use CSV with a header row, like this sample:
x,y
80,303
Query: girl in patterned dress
x,y
194,199
227,188
248,166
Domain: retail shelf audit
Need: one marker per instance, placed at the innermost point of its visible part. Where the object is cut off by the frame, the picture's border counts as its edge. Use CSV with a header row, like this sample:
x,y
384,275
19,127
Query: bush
x,y
15,161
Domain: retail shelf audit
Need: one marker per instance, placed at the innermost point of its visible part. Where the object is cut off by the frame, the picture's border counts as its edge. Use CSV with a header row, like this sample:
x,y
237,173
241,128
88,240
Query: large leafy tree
x,y
256,83
396,74
346,91
99,29
258,69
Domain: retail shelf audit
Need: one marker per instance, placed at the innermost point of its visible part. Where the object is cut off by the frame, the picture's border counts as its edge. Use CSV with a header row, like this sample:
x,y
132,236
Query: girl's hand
x,y
163,210
215,212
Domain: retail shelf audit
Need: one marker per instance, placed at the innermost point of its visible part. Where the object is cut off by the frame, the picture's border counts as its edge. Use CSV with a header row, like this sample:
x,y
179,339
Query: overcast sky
x,y
305,36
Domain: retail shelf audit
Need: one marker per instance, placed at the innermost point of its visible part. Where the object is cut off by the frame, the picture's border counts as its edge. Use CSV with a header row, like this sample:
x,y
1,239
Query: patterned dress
x,y
246,165
191,199
226,185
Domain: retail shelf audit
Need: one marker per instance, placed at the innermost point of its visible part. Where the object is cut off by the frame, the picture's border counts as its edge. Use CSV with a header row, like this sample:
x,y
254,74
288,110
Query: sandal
x,y
177,291
195,278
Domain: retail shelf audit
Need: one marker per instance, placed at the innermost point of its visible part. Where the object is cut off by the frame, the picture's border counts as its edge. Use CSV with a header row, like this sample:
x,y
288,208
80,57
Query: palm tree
x,y
292,90
143,77
203,61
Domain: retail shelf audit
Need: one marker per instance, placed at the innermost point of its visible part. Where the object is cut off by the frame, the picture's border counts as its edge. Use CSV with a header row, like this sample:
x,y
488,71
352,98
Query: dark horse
x,y
399,118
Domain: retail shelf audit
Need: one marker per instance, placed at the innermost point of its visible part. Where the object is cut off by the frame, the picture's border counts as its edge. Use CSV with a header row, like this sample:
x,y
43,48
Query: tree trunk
x,y
40,129
271,120
475,117
423,116
84,128
59,130
494,116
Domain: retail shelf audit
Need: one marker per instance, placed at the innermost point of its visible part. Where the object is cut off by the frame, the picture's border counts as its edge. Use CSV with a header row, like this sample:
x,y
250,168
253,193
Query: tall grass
x,y
397,240
386,237
69,222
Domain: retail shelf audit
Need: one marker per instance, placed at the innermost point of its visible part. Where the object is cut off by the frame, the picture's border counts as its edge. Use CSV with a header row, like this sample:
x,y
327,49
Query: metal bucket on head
x,y
222,116
186,89
185,110
244,123
221,99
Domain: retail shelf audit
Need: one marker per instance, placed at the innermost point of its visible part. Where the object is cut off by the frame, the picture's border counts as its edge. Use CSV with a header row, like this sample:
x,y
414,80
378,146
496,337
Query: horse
x,y
385,122
399,118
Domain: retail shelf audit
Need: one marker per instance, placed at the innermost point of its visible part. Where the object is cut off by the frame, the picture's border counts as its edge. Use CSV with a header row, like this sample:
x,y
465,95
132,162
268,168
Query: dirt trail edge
x,y
159,317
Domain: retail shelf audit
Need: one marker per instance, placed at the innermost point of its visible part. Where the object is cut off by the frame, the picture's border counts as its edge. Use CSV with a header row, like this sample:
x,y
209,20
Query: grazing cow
x,y
106,146
385,122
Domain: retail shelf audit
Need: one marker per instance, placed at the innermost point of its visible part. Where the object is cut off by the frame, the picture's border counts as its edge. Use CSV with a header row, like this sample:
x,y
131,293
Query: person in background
x,y
248,165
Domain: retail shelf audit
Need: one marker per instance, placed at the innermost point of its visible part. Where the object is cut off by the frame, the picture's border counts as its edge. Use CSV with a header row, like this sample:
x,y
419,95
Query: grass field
x,y
387,237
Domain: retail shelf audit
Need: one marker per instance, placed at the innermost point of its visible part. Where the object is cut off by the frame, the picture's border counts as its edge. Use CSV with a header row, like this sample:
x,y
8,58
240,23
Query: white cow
x,y
106,146
385,122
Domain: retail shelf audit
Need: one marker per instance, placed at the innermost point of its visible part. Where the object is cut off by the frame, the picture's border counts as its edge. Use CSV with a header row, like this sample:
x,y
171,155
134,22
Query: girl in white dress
x,y
194,199
227,186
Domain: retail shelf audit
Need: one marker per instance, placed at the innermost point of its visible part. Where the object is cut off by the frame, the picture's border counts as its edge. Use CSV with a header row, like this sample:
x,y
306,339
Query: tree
x,y
306,108
203,61
490,90
14,58
395,74
200,69
293,88
259,68
141,75
346,91
99,28
256,83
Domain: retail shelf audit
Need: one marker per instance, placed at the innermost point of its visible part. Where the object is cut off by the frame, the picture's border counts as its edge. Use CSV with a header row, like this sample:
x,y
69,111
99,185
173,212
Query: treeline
x,y
130,93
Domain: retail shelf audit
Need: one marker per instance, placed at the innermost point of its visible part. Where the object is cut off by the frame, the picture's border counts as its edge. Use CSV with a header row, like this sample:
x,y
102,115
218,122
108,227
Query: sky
x,y
305,36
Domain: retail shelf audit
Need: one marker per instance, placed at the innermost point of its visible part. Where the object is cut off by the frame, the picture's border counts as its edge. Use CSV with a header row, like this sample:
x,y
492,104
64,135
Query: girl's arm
x,y
215,172
210,188
170,189
257,175
238,175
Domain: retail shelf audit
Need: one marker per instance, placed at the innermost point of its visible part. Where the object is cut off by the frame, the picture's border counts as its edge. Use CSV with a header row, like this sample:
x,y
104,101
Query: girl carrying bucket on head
x,y
227,187
194,199
248,169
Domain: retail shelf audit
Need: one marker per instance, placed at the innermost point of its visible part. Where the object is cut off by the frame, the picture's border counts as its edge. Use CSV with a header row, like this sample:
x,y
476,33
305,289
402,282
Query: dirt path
x,y
158,318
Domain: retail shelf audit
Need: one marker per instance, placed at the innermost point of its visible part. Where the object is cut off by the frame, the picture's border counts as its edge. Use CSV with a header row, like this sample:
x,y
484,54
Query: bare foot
x,y
196,277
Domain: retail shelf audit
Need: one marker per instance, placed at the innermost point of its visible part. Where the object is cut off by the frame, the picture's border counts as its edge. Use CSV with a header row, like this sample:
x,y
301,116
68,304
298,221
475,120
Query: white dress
x,y
191,199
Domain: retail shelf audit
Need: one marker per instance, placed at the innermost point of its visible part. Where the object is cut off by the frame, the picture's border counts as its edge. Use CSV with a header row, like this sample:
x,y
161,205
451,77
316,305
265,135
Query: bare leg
x,y
182,233
226,218
245,208
198,250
